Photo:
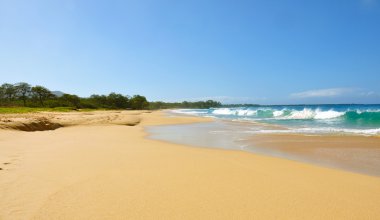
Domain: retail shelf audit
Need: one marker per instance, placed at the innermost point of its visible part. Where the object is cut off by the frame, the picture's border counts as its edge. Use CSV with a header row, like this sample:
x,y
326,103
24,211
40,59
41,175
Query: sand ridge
x,y
43,121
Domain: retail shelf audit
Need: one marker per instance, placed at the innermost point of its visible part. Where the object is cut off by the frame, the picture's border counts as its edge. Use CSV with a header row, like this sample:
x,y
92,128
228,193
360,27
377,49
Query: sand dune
x,y
53,120
94,171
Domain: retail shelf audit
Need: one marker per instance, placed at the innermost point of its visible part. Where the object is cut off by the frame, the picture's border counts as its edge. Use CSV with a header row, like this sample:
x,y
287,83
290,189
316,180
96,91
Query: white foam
x,y
323,130
327,114
223,111
278,113
309,114
242,112
238,112
369,110
187,112
303,114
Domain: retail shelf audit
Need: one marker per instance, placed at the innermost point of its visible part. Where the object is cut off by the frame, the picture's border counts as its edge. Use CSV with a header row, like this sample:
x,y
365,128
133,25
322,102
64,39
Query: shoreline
x,y
353,153
114,172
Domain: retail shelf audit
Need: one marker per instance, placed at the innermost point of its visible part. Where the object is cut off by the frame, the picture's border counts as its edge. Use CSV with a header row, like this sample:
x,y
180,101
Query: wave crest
x,y
351,116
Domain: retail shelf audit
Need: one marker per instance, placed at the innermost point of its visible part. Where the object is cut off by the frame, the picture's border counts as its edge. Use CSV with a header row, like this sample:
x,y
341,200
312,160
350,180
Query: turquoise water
x,y
351,119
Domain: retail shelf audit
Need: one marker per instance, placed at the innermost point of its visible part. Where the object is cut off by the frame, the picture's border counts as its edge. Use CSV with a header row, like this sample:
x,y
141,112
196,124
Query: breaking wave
x,y
304,114
353,119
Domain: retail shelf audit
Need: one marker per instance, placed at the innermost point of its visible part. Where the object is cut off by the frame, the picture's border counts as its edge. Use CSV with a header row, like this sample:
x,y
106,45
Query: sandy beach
x,y
100,165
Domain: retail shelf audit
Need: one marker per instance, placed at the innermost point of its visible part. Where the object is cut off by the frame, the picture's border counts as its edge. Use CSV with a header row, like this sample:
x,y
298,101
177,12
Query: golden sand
x,y
110,171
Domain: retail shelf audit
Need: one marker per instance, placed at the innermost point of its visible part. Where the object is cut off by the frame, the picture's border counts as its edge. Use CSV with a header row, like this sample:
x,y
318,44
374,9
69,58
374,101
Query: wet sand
x,y
354,153
106,170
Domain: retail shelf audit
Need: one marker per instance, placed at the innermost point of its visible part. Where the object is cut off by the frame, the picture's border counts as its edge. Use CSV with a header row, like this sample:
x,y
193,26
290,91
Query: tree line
x,y
200,104
24,94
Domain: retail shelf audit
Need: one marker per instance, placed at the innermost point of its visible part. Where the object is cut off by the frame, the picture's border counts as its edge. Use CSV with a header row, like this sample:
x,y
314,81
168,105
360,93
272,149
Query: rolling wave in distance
x,y
314,119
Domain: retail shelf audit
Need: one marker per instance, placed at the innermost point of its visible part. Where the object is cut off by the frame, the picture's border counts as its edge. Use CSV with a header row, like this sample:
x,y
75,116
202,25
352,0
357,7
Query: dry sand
x,y
106,170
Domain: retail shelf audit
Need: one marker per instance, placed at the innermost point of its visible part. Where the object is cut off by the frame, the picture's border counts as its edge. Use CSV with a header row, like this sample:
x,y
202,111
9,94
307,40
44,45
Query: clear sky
x,y
267,52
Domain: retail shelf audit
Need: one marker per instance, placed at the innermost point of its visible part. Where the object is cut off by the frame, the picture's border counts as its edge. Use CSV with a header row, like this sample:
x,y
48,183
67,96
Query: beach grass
x,y
20,110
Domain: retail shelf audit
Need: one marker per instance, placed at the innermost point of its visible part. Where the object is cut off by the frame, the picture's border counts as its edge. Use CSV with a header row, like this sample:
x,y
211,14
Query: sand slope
x,y
112,172
43,121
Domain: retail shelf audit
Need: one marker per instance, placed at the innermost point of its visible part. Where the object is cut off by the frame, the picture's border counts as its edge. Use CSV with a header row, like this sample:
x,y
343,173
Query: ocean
x,y
305,119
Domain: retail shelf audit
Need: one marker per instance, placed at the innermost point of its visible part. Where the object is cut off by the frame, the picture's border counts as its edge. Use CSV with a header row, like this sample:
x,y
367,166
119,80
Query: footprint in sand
x,y
5,163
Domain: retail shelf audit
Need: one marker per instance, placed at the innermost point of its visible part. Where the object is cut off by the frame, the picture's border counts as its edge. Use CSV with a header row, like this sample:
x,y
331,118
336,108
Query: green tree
x,y
23,91
117,101
139,102
2,94
156,105
74,100
185,104
41,93
212,104
9,91
99,101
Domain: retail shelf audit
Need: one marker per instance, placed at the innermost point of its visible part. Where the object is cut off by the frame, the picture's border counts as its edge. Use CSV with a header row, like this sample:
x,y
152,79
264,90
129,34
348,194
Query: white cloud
x,y
323,93
371,94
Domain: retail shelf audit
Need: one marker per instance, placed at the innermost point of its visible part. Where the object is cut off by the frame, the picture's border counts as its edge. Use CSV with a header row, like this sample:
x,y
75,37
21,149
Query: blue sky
x,y
267,52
